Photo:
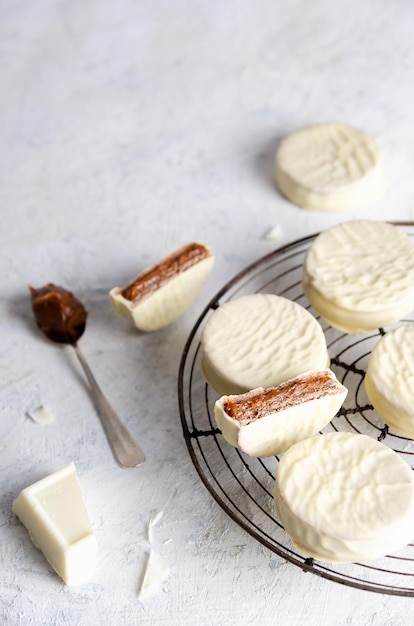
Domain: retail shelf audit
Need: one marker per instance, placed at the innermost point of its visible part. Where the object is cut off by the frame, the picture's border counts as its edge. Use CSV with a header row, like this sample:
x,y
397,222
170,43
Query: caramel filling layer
x,y
58,314
258,403
156,276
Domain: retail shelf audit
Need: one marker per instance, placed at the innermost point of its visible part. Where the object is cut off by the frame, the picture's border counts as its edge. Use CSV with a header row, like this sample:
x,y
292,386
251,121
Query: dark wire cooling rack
x,y
243,486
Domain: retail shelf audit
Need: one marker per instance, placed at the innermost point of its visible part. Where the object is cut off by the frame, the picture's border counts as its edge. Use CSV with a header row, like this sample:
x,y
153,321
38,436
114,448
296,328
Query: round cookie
x,y
260,340
359,275
331,167
344,497
389,379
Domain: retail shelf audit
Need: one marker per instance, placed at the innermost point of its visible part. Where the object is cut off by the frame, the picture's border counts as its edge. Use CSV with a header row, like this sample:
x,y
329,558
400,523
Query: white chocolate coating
x,y
167,303
330,167
345,497
274,433
260,340
389,380
359,275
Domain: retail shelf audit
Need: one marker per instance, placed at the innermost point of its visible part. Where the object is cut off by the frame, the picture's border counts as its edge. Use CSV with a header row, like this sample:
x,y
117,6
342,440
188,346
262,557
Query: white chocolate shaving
x,y
155,517
41,415
274,234
155,573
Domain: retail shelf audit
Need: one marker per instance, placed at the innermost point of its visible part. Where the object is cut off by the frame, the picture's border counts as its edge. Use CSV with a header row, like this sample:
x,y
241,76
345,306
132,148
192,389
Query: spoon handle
x,y
125,449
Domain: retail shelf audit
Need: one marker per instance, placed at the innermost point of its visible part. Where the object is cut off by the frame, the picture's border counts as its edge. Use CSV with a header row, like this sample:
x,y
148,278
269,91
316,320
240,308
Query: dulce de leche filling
x,y
258,403
156,276
58,314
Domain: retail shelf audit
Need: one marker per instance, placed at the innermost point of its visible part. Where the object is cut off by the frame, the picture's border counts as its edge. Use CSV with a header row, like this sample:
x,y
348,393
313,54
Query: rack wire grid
x,y
243,486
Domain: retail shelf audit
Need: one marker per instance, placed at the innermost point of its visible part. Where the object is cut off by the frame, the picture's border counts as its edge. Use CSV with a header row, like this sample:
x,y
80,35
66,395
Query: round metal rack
x,y
243,486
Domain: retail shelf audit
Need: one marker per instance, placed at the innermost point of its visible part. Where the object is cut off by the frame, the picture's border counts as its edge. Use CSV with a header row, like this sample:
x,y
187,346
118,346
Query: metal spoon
x,y
62,318
125,449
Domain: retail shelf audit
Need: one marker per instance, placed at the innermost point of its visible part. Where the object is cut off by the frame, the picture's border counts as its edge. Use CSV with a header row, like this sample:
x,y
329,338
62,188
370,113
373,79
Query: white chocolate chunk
x,y
359,275
330,167
167,299
345,497
272,420
260,340
389,380
55,516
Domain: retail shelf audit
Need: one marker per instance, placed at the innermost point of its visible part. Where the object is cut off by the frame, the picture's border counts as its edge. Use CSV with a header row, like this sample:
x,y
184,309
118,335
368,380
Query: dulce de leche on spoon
x,y
59,315
62,318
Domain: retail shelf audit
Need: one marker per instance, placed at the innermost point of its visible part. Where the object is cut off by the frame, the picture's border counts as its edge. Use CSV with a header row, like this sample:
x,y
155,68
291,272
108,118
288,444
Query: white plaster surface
x,y
127,129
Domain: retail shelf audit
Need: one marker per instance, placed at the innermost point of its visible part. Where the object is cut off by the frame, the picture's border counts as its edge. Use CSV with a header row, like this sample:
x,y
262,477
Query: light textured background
x,y
126,129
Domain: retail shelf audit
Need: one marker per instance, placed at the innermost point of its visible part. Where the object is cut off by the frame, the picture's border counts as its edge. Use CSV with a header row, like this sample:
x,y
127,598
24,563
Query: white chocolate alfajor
x,y
345,497
265,422
359,275
260,340
163,292
389,379
330,167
